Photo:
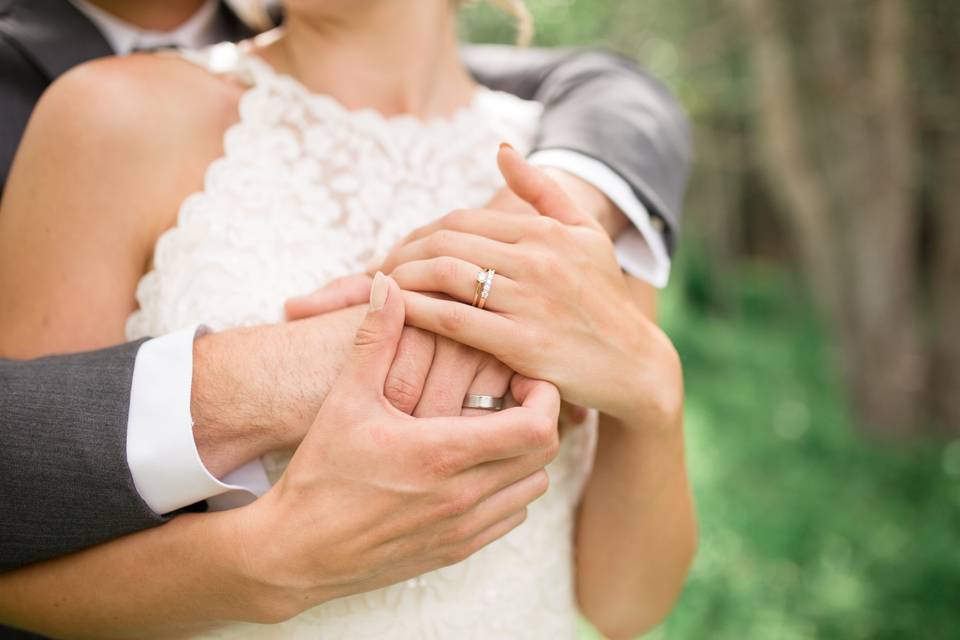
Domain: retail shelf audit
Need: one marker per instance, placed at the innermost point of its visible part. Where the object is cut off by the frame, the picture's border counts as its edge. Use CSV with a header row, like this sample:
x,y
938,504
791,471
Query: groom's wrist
x,y
230,427
258,389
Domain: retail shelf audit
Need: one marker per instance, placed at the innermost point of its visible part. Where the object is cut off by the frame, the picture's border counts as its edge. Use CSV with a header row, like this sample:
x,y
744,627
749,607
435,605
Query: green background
x,y
808,528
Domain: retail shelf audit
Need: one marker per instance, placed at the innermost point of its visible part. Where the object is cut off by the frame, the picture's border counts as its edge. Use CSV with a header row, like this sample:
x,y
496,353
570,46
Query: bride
x,y
280,165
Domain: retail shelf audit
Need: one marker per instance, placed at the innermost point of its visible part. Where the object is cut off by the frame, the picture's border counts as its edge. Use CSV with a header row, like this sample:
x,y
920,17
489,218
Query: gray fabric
x,y
42,39
605,107
63,420
63,461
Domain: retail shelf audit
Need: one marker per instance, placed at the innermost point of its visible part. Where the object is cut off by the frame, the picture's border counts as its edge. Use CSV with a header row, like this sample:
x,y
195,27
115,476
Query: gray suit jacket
x,y
65,483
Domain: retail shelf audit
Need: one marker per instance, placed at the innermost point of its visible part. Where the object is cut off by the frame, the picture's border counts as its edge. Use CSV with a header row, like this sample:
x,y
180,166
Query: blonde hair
x,y
255,14
521,14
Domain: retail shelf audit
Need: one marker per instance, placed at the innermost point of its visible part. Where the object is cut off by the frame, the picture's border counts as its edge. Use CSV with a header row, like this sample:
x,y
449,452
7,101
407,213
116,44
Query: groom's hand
x,y
430,374
374,496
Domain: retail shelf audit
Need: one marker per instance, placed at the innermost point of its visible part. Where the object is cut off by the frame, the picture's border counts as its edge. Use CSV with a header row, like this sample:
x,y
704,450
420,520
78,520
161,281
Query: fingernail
x,y
506,145
378,292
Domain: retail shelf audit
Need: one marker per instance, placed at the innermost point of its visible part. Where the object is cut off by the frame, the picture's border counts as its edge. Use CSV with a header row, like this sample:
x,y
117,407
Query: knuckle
x,y
522,515
538,342
441,464
527,261
402,393
460,503
366,337
547,264
439,241
545,228
553,449
545,430
457,553
457,218
453,318
446,270
541,484
459,533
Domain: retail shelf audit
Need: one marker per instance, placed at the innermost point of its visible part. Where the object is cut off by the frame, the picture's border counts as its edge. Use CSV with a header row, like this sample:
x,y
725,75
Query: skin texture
x,y
561,311
72,249
457,485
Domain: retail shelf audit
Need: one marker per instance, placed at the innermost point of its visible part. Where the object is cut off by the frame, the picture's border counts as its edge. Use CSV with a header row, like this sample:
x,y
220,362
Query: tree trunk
x,y
945,286
857,241
889,358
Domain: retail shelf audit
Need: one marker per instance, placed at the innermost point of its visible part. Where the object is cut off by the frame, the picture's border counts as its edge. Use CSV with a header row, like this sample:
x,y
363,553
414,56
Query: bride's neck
x,y
395,57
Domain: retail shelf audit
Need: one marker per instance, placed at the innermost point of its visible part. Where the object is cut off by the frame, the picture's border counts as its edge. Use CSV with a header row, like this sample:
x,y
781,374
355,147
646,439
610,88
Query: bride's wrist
x,y
651,391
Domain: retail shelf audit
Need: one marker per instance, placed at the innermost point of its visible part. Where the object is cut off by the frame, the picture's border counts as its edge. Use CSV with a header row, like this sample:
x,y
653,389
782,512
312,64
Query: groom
x,y
68,425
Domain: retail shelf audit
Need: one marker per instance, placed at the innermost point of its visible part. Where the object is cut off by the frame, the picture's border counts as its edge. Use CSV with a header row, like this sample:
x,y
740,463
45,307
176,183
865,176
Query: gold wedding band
x,y
481,278
484,283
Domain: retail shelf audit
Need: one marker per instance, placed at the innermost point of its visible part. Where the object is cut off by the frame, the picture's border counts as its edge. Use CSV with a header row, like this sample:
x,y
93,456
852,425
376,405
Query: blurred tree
x,y
939,67
827,131
837,133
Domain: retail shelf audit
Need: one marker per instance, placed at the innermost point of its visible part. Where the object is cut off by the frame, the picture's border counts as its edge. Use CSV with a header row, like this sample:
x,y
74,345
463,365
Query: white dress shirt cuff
x,y
161,452
641,249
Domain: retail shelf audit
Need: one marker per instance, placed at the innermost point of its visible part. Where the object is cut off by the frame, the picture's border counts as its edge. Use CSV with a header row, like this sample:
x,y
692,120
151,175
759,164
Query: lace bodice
x,y
308,191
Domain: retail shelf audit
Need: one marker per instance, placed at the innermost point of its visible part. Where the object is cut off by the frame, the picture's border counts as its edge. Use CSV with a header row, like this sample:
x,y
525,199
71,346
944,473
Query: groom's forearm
x,y
257,389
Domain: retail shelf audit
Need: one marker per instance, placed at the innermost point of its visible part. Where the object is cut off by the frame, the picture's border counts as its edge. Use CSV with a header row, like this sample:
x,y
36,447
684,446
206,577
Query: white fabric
x,y
161,452
641,248
198,31
308,191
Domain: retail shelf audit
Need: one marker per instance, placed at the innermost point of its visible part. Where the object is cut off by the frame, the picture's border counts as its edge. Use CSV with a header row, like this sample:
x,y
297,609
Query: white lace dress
x,y
308,191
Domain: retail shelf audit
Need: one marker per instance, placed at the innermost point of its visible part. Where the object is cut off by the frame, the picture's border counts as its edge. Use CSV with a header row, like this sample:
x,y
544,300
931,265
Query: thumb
x,y
540,190
375,343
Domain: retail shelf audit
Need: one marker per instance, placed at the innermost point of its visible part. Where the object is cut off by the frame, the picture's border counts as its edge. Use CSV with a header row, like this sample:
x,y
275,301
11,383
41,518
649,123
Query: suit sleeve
x,y
602,106
21,85
63,462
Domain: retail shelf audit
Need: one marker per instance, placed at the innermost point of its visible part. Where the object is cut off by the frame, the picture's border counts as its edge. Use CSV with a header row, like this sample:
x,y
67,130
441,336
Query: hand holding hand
x,y
431,374
558,310
373,496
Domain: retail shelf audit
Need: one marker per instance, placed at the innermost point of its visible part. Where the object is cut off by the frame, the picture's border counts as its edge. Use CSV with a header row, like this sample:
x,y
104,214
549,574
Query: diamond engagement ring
x,y
473,401
481,278
485,291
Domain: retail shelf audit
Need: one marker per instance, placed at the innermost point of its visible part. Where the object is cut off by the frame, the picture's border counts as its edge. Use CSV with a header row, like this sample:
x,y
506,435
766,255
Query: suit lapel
x,y
230,27
53,34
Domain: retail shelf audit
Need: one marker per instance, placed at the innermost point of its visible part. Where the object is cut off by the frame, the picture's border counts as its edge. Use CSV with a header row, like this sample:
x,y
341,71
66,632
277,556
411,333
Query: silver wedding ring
x,y
473,401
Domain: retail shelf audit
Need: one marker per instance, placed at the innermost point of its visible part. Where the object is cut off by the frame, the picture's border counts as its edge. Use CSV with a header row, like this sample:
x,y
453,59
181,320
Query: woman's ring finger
x,y
459,279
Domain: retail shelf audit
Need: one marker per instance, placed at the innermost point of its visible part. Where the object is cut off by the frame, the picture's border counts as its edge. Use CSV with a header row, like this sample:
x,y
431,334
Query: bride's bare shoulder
x,y
143,98
141,129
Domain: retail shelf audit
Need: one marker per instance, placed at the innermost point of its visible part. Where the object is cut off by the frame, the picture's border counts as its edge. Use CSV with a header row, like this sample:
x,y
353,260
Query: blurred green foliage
x,y
808,530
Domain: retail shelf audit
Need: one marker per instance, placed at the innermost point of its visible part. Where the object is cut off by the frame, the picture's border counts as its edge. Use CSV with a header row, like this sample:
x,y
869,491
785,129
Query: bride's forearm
x,y
636,532
171,581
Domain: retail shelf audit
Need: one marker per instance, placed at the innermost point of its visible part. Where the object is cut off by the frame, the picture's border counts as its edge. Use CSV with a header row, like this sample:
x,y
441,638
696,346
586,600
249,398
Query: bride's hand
x,y
431,374
559,308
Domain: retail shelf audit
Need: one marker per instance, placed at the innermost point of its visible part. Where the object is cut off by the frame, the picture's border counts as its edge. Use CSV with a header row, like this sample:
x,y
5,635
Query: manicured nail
x,y
378,292
507,145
